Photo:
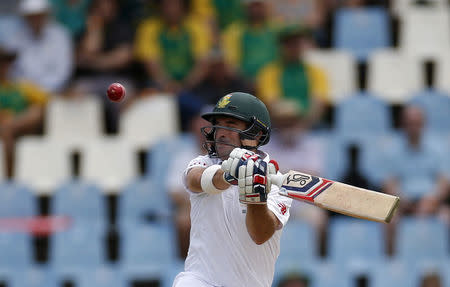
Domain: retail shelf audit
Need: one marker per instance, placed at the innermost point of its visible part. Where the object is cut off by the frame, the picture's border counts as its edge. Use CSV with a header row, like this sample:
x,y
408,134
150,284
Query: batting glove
x,y
254,180
238,157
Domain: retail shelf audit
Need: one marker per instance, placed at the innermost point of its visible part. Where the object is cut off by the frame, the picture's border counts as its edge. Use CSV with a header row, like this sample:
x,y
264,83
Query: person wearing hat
x,y
251,44
237,215
290,77
21,107
44,48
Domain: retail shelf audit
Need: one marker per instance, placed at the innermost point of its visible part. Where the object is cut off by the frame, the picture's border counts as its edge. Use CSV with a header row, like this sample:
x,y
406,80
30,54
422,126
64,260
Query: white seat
x,y
73,121
109,163
425,33
149,120
442,72
394,76
340,68
400,7
41,164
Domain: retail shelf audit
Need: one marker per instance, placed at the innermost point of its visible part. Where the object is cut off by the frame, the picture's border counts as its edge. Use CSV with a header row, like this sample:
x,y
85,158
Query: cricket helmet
x,y
245,107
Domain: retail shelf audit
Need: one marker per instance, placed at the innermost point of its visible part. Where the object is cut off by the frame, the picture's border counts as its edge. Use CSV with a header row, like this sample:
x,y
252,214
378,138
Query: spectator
x,y
251,44
219,81
416,172
293,280
21,108
307,13
173,47
219,13
44,48
291,78
105,56
72,14
291,140
180,198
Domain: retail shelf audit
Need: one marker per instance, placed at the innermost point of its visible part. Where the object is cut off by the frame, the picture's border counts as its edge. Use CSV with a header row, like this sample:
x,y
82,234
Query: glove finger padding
x,y
254,184
238,157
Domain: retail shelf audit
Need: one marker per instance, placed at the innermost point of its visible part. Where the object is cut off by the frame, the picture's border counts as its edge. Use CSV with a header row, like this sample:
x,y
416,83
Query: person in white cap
x,y
45,49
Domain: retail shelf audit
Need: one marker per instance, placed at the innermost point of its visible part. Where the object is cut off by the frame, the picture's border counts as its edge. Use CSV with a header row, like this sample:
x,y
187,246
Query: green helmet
x,y
247,108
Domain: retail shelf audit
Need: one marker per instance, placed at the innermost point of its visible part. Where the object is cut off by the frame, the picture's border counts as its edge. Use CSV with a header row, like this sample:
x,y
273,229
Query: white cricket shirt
x,y
221,251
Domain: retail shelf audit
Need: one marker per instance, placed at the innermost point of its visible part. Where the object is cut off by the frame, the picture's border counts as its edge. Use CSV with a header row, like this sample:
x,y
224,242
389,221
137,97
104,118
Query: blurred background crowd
x,y
91,192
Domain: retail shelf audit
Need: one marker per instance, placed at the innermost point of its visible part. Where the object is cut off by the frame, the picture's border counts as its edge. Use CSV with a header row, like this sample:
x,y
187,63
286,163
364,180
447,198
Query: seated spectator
x,y
307,13
72,14
291,140
416,171
219,81
45,52
105,56
291,78
21,108
252,43
218,13
173,47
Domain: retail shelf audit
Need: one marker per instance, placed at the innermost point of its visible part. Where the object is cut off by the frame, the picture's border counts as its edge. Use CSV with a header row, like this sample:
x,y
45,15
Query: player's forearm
x,y
194,177
261,223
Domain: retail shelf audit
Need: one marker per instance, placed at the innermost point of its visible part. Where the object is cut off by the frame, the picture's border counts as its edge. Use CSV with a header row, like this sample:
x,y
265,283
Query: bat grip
x,y
278,179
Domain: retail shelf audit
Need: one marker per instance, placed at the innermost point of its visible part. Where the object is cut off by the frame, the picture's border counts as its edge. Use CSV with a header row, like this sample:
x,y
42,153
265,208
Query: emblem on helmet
x,y
224,101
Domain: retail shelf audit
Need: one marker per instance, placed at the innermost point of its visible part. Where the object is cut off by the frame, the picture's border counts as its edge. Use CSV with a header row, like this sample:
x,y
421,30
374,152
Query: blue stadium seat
x,y
7,276
357,243
34,277
16,201
103,276
421,239
80,246
171,272
146,251
15,250
161,154
298,242
362,115
147,245
83,202
332,275
393,273
361,31
140,200
436,106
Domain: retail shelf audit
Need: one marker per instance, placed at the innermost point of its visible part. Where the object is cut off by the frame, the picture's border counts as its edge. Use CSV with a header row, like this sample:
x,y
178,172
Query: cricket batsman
x,y
236,213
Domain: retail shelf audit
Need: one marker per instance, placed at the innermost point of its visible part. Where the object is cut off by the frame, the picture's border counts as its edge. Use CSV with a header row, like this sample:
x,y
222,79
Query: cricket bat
x,y
336,196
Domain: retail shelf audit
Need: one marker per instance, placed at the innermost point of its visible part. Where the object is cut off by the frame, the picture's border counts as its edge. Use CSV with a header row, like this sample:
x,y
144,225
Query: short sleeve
x,y
35,95
319,82
200,161
279,205
146,42
267,86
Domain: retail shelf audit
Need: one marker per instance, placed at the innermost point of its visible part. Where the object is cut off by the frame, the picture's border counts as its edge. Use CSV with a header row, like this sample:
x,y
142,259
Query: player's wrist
x,y
212,181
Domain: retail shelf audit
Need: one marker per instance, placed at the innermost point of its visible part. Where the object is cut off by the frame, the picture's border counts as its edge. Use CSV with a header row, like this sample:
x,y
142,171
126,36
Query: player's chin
x,y
224,150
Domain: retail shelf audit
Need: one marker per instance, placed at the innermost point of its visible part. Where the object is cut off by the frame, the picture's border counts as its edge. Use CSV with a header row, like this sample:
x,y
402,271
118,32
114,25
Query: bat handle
x,y
278,179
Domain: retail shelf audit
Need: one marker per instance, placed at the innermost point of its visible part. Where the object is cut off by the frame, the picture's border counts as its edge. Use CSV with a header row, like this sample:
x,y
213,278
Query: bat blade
x,y
336,196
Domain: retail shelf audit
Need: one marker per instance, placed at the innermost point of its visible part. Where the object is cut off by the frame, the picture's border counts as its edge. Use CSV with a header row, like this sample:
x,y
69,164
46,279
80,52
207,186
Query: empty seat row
x,y
392,75
424,32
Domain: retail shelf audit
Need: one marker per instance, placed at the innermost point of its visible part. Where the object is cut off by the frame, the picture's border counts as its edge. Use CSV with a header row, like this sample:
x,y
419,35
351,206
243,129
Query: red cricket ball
x,y
116,92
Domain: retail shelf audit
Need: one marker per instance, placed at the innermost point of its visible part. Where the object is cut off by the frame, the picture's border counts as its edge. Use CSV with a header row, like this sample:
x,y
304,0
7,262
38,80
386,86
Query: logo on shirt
x,y
283,208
